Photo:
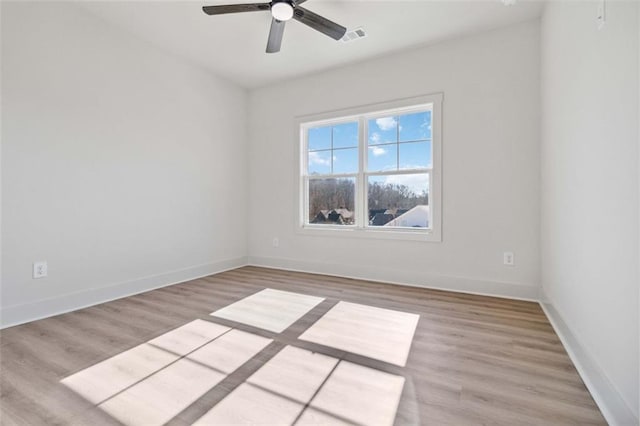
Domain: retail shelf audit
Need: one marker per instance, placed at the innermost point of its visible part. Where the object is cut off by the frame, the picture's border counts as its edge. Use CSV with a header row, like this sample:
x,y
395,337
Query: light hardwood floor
x,y
474,360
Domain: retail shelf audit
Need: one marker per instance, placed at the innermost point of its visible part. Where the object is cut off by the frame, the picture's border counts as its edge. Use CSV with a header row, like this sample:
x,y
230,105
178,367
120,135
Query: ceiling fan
x,y
281,12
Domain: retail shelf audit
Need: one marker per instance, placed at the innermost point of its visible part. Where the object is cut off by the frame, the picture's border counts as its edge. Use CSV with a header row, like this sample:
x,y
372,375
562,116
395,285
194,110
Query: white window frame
x,y
362,114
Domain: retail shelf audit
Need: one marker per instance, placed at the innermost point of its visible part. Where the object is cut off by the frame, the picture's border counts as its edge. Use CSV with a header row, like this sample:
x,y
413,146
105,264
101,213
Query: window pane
x,y
319,138
415,155
332,201
383,130
319,162
415,127
345,135
382,157
399,200
345,160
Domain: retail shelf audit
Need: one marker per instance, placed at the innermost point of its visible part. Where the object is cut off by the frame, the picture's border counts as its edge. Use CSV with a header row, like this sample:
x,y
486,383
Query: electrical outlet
x,y
509,258
39,269
275,242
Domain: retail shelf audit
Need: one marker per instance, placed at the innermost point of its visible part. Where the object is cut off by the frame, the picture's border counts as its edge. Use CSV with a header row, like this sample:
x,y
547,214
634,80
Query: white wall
x,y
490,165
122,166
590,193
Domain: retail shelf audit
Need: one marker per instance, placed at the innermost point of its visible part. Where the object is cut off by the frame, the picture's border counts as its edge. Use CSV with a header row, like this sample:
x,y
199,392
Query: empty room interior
x,y
322,212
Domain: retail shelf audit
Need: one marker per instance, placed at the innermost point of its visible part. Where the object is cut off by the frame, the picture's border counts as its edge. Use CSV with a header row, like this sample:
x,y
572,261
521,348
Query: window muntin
x,y
400,141
385,158
332,149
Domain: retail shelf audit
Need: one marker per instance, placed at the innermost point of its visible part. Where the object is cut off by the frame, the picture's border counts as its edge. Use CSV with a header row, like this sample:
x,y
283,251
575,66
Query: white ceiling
x,y
233,46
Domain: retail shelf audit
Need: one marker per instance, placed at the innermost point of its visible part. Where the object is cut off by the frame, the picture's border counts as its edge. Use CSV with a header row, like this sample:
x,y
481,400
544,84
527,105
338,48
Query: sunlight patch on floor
x,y
302,387
376,333
153,382
157,399
356,394
105,379
272,310
156,381
189,337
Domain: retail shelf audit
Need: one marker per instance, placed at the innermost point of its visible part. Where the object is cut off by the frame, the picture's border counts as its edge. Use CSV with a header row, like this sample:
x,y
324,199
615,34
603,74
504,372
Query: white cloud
x,y
378,151
426,125
375,137
314,158
417,183
386,123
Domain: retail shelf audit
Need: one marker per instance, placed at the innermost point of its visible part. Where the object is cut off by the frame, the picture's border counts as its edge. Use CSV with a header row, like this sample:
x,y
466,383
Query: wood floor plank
x,y
474,360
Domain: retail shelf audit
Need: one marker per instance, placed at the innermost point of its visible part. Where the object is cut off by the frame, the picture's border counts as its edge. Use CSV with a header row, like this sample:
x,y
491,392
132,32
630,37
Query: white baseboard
x,y
408,278
20,314
609,400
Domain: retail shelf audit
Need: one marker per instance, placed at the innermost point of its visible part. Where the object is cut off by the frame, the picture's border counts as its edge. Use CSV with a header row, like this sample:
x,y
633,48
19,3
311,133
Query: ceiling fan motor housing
x,y
282,10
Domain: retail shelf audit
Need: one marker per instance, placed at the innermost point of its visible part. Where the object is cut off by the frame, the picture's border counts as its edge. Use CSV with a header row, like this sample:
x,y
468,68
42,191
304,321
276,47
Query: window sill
x,y
369,233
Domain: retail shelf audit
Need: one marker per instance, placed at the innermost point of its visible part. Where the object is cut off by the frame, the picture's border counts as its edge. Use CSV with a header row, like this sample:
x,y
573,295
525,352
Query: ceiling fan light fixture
x,y
282,11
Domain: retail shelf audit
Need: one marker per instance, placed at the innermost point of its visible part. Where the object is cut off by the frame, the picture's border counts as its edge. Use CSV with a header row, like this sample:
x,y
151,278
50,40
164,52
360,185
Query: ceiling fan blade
x,y
319,23
275,36
299,2
235,8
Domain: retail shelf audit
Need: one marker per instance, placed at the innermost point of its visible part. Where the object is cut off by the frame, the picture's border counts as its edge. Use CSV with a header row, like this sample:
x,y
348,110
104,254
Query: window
x,y
373,171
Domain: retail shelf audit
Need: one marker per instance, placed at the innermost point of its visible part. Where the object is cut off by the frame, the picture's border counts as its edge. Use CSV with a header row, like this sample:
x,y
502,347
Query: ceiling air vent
x,y
355,34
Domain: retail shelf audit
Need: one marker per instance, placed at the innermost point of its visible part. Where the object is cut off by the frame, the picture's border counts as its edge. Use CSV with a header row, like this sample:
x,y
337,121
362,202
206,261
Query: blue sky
x,y
344,136
403,128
